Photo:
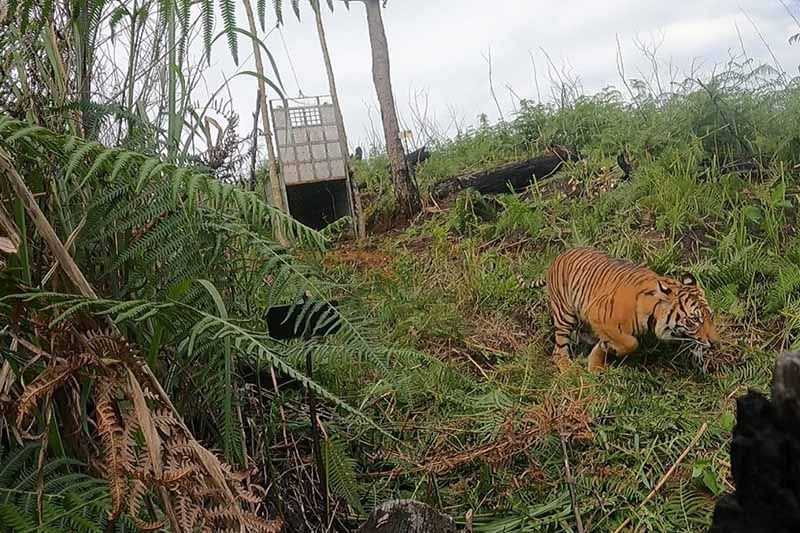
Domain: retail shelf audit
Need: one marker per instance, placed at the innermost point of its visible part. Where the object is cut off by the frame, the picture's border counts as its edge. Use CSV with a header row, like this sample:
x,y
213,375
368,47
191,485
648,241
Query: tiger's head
x,y
683,314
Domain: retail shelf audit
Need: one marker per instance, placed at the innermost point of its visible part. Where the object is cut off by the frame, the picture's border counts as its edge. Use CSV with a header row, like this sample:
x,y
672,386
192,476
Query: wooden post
x,y
355,200
276,190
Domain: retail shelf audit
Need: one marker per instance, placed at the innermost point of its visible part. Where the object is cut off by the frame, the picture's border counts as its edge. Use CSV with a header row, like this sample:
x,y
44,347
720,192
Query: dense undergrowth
x,y
438,386
713,191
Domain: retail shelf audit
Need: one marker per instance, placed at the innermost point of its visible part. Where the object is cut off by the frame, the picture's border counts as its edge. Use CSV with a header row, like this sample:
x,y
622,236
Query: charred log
x,y
413,159
750,168
625,165
516,176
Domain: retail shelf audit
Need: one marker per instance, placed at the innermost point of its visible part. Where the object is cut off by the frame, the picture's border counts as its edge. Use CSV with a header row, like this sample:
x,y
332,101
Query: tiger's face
x,y
684,314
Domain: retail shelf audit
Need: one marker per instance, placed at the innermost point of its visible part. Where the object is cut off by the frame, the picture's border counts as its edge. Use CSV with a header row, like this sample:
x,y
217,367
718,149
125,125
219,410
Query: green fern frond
x,y
228,11
261,7
207,16
340,469
73,500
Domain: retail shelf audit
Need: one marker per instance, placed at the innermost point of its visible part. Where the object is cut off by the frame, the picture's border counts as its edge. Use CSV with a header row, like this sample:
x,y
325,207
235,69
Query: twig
x,y
514,244
488,59
669,473
571,484
471,360
468,519
315,432
10,243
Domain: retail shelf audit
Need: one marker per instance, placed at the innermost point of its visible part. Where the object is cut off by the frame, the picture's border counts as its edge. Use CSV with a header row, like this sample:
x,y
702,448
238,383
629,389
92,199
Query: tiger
x,y
620,302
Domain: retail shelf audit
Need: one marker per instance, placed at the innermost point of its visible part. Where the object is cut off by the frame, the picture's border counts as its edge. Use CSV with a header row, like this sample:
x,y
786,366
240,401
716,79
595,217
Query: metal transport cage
x,y
313,159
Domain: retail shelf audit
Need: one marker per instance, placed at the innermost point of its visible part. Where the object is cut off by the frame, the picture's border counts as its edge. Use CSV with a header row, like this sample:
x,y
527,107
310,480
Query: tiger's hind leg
x,y
564,325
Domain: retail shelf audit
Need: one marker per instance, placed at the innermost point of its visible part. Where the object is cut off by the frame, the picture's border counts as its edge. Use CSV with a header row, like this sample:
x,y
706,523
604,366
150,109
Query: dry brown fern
x,y
44,385
112,436
146,452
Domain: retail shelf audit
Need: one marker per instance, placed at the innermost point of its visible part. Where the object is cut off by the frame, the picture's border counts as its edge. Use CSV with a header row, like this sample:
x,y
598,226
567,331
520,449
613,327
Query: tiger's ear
x,y
664,288
688,279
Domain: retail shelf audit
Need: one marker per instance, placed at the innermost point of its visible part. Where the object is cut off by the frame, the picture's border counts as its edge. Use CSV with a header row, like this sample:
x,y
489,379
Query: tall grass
x,y
457,291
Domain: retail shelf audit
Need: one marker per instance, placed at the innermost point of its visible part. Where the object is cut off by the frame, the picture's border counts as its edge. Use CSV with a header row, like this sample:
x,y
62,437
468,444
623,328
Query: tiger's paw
x,y
562,362
595,367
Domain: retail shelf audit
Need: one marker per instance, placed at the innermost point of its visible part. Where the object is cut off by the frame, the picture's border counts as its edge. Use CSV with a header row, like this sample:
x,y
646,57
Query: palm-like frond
x,y
191,266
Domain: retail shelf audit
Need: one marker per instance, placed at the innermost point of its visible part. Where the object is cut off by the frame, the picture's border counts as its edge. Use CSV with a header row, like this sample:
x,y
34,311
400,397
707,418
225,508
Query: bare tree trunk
x,y
275,181
355,201
405,188
276,189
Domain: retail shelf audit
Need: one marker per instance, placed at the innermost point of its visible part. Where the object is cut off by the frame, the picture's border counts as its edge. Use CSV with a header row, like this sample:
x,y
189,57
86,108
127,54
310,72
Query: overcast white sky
x,y
438,49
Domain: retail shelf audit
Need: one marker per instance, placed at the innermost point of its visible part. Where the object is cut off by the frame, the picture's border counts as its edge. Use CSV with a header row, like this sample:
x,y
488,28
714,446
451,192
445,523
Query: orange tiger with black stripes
x,y
619,302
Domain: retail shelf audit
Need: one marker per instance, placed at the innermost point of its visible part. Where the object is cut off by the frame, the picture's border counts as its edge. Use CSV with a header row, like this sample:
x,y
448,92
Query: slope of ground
x,y
482,416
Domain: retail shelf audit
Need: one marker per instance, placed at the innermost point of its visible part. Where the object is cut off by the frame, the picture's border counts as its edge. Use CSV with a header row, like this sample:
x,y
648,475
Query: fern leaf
x,y
261,8
278,8
111,435
340,469
229,24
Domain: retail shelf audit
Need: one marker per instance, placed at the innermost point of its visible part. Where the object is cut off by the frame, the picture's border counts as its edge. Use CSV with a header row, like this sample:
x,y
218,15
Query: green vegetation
x,y
483,422
140,387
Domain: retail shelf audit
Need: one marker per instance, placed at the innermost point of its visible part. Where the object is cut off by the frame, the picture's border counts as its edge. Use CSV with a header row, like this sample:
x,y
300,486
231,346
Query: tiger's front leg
x,y
597,357
620,344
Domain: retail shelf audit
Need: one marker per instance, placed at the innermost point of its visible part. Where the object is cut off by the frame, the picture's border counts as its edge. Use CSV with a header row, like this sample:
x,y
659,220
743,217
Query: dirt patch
x,y
361,259
490,339
694,240
497,334
419,245
730,353
478,362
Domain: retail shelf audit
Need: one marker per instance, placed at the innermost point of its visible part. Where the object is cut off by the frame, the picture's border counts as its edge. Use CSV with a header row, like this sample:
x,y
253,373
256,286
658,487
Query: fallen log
x,y
516,176
413,159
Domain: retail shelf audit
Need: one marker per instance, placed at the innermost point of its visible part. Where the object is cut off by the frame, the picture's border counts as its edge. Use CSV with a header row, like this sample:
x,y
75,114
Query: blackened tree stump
x,y
407,516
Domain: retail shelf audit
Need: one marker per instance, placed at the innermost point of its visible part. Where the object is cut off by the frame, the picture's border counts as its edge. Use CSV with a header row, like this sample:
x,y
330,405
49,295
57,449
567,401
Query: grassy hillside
x,y
479,408
144,386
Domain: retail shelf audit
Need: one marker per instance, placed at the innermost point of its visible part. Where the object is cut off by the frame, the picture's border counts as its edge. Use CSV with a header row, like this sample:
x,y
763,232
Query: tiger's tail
x,y
535,284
